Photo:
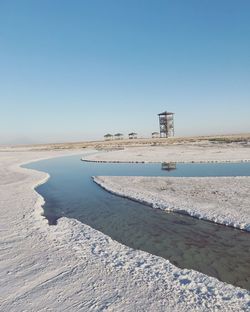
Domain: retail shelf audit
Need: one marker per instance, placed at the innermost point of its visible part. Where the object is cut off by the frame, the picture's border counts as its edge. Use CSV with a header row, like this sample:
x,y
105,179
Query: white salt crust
x,y
72,267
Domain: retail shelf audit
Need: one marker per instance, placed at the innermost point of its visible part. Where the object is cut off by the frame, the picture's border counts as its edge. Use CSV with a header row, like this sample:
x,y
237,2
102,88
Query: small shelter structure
x,y
108,136
155,135
118,136
132,135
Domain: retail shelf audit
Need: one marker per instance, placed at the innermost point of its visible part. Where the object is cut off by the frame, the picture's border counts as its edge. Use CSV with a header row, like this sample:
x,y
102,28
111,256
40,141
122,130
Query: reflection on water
x,y
215,250
168,166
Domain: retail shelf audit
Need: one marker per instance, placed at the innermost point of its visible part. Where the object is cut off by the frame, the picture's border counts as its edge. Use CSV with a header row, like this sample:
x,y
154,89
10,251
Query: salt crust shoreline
x,y
72,267
223,200
157,162
180,153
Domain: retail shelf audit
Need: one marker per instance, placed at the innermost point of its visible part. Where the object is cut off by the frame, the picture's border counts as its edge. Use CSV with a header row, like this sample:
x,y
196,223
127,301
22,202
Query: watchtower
x,y
166,122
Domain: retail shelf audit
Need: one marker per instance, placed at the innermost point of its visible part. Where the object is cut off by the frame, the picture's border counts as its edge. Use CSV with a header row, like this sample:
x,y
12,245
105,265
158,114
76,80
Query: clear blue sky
x,y
75,70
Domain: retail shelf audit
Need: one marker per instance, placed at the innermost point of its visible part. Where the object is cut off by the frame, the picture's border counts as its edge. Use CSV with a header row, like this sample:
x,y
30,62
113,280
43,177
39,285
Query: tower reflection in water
x,y
168,166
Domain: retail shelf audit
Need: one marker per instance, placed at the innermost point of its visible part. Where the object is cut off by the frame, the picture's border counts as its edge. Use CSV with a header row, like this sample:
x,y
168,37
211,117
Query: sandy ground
x,y
185,152
72,267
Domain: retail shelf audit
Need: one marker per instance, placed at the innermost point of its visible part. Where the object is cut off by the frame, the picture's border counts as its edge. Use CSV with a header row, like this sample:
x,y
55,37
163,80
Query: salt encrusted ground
x,y
72,267
224,200
190,152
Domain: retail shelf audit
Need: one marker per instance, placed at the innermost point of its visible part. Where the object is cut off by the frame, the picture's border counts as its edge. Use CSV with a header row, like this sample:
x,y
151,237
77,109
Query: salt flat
x,y
224,200
72,267
180,152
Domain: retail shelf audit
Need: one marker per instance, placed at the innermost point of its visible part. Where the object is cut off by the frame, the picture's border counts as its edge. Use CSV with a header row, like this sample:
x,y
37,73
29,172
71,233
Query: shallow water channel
x,y
215,250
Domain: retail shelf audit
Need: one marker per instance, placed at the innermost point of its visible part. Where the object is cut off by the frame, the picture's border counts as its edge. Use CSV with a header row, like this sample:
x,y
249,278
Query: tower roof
x,y
165,113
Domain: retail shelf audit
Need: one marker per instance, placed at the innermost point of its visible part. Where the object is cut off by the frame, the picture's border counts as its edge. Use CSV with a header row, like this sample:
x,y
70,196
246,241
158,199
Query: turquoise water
x,y
213,249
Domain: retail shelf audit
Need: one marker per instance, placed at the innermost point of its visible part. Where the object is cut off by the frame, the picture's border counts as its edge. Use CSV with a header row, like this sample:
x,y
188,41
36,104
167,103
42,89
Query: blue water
x,y
213,249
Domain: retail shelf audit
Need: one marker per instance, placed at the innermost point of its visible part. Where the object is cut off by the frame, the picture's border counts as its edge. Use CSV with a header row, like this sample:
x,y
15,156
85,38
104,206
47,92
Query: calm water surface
x,y
215,250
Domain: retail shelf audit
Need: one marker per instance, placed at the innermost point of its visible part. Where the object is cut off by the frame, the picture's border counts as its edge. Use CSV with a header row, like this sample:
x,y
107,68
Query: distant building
x,y
155,135
118,136
132,135
166,122
108,136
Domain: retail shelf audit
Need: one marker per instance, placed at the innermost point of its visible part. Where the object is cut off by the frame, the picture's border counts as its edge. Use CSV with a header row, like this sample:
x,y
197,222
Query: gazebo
x,y
118,136
108,136
132,135
155,135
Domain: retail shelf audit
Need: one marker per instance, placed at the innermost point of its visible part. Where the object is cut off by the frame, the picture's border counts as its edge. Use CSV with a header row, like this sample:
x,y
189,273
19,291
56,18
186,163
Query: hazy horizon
x,y
20,142
75,70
